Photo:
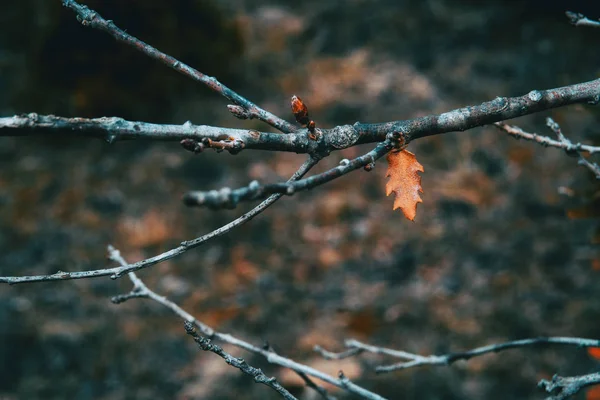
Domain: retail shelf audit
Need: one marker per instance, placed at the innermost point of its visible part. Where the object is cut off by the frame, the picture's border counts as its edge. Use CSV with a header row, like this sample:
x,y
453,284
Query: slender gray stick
x,y
562,142
545,141
228,198
256,373
119,271
415,360
140,290
91,18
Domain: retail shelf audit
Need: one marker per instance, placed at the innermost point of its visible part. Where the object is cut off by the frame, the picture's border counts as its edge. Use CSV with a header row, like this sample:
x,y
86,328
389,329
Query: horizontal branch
x,y
113,129
562,143
91,18
545,141
415,360
119,271
140,290
499,109
326,140
227,198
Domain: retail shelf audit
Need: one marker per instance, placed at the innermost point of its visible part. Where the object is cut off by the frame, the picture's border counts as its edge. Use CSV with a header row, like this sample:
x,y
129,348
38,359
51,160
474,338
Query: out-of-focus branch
x,y
91,18
415,360
140,290
562,142
564,387
119,271
227,198
578,19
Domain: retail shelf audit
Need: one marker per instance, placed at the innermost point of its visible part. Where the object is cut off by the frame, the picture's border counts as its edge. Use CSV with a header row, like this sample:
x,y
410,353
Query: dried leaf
x,y
594,352
404,181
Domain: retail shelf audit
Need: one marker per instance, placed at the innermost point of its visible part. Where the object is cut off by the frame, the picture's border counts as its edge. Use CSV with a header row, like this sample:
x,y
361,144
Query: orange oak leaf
x,y
594,352
404,181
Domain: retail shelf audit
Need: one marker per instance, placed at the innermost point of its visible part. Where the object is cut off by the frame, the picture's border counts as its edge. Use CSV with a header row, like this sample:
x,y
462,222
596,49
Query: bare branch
x,y
582,161
256,373
113,129
119,271
565,387
91,18
325,140
562,143
227,198
415,360
309,382
545,141
142,291
329,355
578,19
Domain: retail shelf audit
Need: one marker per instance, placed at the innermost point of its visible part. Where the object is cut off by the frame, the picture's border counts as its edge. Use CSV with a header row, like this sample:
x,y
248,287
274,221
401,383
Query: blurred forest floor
x,y
505,245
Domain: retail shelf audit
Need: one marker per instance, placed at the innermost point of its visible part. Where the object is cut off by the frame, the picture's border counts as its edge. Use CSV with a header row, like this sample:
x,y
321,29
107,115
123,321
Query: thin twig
x,y
309,382
545,141
117,272
330,355
578,19
228,198
140,290
256,373
565,387
562,143
91,18
415,360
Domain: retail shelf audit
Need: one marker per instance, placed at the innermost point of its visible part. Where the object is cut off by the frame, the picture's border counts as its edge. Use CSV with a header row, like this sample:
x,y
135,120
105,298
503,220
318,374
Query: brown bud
x,y
300,111
192,145
311,126
238,111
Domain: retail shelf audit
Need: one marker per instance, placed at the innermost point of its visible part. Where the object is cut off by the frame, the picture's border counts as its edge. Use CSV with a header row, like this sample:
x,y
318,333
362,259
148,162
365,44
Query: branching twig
x,y
91,18
565,387
578,19
414,360
327,140
256,373
119,271
562,142
140,290
227,198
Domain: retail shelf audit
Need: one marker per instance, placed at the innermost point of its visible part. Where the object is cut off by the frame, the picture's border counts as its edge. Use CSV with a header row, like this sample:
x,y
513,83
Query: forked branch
x,y
140,290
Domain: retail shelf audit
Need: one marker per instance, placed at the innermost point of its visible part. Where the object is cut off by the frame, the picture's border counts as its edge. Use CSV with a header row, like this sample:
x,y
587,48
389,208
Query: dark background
x,y
505,245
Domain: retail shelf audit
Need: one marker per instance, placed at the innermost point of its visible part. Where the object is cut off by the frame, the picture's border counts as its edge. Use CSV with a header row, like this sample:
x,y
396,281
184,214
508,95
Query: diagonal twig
x,y
91,18
228,198
140,290
119,271
239,363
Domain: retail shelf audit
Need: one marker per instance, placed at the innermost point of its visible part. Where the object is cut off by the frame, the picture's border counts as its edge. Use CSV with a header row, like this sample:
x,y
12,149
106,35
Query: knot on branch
x,y
232,145
397,140
239,112
342,137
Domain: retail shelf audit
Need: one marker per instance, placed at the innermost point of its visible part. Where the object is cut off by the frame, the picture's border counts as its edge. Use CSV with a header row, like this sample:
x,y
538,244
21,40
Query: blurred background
x,y
504,246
